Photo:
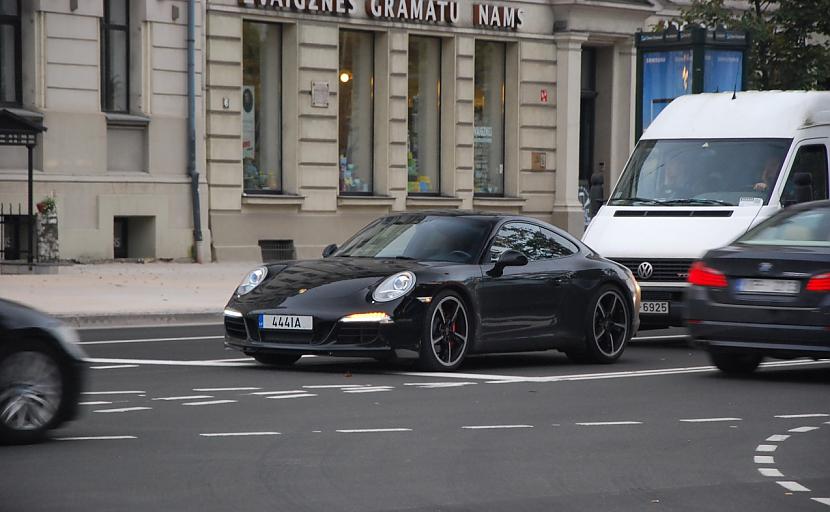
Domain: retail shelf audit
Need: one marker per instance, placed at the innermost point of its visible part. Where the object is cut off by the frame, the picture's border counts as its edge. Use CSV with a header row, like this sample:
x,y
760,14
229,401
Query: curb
x,y
140,319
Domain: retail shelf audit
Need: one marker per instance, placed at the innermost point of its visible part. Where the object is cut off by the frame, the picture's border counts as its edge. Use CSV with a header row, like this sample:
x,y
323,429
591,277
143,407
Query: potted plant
x,y
46,206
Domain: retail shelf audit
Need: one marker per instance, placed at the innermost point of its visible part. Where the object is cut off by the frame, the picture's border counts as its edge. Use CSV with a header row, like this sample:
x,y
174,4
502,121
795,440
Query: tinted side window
x,y
555,246
517,236
813,161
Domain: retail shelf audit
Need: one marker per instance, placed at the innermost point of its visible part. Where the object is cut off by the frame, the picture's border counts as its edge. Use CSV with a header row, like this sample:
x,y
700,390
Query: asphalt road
x,y
172,421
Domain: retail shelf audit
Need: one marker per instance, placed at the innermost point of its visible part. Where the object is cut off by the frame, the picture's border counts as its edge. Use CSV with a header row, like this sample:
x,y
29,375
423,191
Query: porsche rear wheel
x,y
447,333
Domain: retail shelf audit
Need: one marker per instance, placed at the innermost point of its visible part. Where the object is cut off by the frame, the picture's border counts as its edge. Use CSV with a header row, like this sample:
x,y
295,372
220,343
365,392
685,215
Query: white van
x,y
708,168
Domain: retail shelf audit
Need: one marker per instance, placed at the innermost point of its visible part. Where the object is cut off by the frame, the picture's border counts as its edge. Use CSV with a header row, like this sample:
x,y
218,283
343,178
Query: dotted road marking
x,y
94,403
113,367
823,501
766,448
113,392
709,420
811,415
266,393
764,459
211,402
770,472
486,427
793,486
125,409
608,423
777,438
240,434
95,438
301,395
802,429
190,397
373,430
226,389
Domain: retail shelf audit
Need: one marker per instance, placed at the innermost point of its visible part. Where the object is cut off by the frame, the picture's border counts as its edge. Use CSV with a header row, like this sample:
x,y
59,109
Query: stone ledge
x,y
22,267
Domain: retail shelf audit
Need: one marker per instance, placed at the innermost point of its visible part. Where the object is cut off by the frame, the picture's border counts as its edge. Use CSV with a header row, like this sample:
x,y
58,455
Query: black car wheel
x,y
276,359
32,392
607,328
735,364
447,333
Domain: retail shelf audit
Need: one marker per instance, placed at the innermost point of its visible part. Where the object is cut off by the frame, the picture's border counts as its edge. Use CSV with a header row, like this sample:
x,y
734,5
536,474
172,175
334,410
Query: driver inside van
x,y
675,180
768,175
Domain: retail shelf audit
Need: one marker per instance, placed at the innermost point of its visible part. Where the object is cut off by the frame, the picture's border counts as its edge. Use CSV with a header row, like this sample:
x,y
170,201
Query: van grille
x,y
664,269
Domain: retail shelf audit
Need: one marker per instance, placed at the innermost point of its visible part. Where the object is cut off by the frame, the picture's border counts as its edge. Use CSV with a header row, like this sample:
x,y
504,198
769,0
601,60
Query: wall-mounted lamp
x,y
345,76
175,13
73,5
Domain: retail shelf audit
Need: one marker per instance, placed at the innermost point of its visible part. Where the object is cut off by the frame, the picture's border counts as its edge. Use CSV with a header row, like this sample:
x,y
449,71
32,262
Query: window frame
x,y
106,26
438,174
485,258
372,58
281,160
503,192
791,172
15,22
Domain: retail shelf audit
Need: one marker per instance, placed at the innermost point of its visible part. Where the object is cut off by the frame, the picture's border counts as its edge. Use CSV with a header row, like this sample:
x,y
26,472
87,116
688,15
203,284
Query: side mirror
x,y
329,250
509,258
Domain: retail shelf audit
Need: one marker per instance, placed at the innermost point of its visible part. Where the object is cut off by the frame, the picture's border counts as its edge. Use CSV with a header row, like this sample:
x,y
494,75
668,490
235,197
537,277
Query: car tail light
x,y
819,283
701,275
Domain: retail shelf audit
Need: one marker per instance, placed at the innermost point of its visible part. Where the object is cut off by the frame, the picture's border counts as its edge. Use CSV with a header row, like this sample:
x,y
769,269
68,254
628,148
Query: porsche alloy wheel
x,y
31,394
608,328
448,333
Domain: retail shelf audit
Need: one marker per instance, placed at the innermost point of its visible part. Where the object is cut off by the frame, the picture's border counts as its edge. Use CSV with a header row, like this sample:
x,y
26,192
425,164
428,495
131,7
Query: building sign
x,y
435,11
497,16
324,6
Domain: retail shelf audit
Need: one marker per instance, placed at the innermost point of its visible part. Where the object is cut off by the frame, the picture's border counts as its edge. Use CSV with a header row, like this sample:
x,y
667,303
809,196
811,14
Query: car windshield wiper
x,y
632,200
396,257
701,202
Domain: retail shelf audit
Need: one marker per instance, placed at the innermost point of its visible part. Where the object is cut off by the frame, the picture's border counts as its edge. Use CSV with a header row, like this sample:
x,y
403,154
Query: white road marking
x,y
793,486
376,389
189,397
435,385
336,386
164,362
487,427
94,438
764,459
300,395
113,367
709,420
816,415
604,423
225,389
373,430
265,393
777,438
113,392
125,409
211,402
150,340
766,448
94,403
240,434
802,429
823,501
772,472
669,337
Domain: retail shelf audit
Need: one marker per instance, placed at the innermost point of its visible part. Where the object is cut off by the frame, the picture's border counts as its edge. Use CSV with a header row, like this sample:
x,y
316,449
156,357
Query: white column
x,y
567,211
623,110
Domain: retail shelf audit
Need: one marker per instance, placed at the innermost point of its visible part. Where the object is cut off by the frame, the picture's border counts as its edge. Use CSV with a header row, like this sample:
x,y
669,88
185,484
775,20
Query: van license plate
x,y
285,322
774,286
655,308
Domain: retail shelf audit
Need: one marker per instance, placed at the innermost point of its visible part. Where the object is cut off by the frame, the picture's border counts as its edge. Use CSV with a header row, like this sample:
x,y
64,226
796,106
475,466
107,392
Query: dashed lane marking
x,y
823,501
494,427
150,340
94,438
608,423
189,397
211,402
709,420
436,385
374,389
764,459
336,386
811,415
373,430
124,409
266,393
240,434
802,429
299,395
669,337
226,389
113,367
766,448
777,438
772,472
94,403
113,392
163,362
793,486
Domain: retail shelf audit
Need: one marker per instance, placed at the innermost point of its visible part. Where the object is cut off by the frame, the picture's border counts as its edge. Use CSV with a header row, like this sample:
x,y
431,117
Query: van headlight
x,y
394,287
254,278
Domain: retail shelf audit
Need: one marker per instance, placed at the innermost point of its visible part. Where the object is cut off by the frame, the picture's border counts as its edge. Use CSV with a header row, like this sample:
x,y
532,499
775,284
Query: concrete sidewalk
x,y
130,293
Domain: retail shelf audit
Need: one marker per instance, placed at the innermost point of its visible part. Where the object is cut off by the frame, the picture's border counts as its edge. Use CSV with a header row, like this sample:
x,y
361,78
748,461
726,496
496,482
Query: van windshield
x,y
701,172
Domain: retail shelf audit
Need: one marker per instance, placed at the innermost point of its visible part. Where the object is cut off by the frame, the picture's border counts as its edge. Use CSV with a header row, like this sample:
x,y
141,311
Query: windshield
x,y
419,237
701,173
809,228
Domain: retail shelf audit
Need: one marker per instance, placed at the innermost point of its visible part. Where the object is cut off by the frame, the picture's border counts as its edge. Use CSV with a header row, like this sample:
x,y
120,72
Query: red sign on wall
x,y
543,96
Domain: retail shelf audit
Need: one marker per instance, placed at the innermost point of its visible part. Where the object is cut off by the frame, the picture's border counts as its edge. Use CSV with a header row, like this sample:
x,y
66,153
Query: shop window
x,y
261,107
115,56
356,98
424,116
488,142
10,73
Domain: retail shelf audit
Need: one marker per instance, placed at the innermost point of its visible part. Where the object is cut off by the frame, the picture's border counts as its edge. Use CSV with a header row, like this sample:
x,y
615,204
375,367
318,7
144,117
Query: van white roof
x,y
752,114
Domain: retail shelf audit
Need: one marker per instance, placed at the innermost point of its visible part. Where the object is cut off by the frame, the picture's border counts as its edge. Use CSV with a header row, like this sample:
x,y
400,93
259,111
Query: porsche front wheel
x,y
447,333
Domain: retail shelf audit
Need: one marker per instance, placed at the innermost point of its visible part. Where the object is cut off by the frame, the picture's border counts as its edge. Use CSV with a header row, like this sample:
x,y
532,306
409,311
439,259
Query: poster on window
x,y
722,70
248,122
666,75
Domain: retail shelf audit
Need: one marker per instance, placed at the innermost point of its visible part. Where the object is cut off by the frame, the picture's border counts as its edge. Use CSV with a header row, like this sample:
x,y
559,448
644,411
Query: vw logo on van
x,y
645,270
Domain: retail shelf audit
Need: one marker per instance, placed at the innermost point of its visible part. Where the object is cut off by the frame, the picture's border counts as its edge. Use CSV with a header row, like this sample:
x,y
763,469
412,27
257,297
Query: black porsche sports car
x,y
437,286
766,294
41,370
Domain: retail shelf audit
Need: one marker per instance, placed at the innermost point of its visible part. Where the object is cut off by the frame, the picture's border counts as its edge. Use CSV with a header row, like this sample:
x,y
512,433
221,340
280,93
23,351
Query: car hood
x,y
330,278
637,232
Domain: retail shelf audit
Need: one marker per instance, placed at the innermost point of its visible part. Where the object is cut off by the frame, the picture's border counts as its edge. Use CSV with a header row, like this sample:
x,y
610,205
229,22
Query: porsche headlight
x,y
254,278
394,287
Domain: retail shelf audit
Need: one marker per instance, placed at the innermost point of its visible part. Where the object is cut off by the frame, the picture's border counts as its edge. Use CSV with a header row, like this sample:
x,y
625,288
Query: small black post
x,y
30,256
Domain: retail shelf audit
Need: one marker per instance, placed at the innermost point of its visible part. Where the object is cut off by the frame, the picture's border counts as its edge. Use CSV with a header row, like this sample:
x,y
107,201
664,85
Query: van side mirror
x,y
509,258
329,250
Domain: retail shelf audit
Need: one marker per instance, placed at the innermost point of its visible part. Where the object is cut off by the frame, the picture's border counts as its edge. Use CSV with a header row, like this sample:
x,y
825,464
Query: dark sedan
x,y
767,294
437,286
40,373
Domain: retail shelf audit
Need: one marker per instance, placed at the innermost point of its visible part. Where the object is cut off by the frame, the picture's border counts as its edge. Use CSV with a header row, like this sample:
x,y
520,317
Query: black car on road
x,y
40,373
766,294
437,286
